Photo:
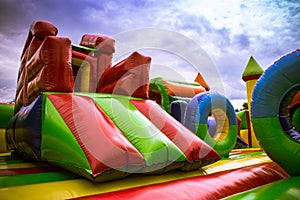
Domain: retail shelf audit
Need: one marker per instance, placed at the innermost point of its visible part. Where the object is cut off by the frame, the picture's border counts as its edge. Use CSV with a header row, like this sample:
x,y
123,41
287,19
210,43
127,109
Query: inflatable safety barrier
x,y
128,77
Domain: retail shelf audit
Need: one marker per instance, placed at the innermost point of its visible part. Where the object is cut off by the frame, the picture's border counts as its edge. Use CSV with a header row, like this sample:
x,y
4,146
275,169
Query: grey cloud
x,y
13,14
242,40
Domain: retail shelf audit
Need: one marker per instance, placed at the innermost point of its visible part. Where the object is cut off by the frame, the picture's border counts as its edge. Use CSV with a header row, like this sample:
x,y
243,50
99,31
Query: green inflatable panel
x,y
25,179
158,85
58,143
243,117
296,119
283,189
6,113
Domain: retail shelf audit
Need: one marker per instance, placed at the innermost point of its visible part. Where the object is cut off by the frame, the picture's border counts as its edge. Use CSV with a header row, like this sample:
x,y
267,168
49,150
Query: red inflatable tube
x,y
103,43
212,186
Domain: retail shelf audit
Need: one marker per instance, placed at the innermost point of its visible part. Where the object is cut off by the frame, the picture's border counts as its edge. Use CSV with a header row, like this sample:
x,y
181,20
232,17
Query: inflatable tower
x,y
250,75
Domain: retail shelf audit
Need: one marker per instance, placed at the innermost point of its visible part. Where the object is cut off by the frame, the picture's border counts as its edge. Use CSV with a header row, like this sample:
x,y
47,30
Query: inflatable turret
x,y
250,75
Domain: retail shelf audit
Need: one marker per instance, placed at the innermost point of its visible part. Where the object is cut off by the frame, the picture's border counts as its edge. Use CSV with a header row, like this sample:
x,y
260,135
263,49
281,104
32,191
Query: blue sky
x,y
216,37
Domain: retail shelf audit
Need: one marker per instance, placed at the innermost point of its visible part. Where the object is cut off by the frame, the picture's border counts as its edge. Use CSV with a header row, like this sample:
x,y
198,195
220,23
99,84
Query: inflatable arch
x,y
196,119
272,124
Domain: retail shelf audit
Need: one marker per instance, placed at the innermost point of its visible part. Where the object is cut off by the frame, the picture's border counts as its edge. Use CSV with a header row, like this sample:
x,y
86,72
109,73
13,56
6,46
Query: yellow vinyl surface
x,y
82,187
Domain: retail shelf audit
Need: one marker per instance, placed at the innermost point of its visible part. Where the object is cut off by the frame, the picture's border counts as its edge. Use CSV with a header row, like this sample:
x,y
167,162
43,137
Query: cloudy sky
x,y
214,37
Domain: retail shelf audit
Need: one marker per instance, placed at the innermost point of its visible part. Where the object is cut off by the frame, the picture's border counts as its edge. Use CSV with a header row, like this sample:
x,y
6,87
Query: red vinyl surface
x,y
212,186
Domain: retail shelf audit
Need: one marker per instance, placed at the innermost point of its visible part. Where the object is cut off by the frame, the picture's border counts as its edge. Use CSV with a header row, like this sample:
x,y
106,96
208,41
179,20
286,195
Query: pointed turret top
x,y
252,70
199,79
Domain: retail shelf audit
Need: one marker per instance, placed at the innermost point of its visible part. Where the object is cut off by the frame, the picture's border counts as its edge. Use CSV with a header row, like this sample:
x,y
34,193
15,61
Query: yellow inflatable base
x,y
82,187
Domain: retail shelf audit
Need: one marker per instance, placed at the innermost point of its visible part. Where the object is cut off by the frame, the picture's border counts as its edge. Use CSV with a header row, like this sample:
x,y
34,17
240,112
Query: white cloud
x,y
7,94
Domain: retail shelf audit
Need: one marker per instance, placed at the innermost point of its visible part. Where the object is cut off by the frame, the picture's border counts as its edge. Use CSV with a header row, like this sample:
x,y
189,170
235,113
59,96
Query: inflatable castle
x,y
85,128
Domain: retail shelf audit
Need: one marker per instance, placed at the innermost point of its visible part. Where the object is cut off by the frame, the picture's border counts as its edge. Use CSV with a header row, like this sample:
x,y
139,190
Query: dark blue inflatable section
x,y
27,122
177,110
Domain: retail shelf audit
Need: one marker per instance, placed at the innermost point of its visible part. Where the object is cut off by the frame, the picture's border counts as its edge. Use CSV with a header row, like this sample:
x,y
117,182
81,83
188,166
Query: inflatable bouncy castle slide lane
x,y
84,128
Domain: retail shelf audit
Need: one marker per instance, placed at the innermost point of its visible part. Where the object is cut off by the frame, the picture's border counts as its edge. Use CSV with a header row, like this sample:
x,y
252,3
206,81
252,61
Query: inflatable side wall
x,y
45,64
